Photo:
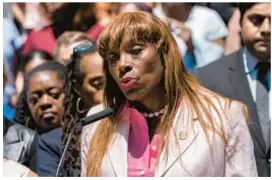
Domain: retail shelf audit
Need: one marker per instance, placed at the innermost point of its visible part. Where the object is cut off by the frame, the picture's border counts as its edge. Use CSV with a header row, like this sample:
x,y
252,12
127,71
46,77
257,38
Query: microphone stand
x,y
83,122
65,149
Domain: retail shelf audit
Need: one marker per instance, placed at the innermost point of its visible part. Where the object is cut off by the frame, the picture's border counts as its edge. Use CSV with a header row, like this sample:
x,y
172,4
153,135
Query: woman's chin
x,y
133,97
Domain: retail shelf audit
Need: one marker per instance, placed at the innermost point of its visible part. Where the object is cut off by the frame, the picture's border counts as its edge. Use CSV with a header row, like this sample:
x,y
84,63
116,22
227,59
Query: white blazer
x,y
189,152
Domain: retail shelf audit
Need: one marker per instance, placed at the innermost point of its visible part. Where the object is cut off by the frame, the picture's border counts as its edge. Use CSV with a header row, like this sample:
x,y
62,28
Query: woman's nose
x,y
45,102
125,65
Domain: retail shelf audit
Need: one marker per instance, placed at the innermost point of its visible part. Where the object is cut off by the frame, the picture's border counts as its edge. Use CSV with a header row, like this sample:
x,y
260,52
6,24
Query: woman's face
x,y
91,66
45,99
137,69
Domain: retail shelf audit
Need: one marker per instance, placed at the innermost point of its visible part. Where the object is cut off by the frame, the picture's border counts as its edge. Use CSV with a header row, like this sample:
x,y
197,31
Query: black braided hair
x,y
23,114
72,115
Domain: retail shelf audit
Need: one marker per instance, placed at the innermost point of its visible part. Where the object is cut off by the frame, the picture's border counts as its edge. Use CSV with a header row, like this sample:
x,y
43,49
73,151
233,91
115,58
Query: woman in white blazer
x,y
164,122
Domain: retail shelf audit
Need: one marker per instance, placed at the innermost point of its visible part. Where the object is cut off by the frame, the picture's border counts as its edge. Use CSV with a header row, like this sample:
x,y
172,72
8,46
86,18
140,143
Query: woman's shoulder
x,y
221,101
225,107
51,138
233,112
89,129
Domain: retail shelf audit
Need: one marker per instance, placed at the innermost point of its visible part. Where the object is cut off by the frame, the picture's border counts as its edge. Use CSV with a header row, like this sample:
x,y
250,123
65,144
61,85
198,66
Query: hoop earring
x,y
77,92
27,122
77,106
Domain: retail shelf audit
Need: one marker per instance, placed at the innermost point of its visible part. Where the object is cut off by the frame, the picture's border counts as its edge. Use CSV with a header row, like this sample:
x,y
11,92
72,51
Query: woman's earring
x,y
77,106
27,122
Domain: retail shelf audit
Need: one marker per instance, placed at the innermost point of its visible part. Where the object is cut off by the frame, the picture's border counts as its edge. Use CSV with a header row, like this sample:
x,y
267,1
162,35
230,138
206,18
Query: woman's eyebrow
x,y
130,43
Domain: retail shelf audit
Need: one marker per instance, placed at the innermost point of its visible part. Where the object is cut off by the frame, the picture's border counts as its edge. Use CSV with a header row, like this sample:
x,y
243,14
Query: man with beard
x,y
245,76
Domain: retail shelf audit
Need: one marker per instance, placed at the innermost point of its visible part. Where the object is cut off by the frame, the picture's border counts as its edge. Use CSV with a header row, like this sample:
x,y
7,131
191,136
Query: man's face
x,y
256,28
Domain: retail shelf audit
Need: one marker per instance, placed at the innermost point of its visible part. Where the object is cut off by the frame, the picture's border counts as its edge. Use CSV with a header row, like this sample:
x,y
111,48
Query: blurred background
x,y
201,30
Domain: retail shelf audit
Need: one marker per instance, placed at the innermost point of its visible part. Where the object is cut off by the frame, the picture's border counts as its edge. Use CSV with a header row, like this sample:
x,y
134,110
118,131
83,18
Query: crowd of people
x,y
188,83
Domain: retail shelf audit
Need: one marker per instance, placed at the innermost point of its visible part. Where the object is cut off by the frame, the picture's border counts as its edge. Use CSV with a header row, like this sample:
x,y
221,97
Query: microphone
x,y
96,117
91,118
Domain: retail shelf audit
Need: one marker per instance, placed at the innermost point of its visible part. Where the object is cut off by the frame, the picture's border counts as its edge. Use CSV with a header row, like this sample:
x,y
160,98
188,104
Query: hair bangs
x,y
129,28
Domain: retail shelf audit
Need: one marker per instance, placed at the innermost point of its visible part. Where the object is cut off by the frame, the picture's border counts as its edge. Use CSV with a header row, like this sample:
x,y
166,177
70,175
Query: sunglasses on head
x,y
79,50
83,48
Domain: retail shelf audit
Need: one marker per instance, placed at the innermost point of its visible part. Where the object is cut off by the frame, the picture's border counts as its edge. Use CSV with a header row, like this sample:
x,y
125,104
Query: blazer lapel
x,y
182,135
239,82
119,148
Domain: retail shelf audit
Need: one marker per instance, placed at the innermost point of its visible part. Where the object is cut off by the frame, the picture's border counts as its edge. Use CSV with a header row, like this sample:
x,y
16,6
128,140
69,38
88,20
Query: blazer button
x,y
182,135
142,172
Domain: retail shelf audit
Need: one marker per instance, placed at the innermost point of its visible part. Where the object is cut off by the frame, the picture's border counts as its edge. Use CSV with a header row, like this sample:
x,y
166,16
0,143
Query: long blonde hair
x,y
177,83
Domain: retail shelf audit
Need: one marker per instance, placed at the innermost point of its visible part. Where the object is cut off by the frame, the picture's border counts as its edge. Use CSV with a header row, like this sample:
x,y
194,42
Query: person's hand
x,y
32,174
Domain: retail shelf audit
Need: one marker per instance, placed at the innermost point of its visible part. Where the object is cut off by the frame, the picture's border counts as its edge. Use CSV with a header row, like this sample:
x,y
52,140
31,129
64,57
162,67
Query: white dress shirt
x,y
249,63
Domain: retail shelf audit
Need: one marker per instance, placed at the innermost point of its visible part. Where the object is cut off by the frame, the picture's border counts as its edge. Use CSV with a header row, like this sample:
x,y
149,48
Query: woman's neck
x,y
153,103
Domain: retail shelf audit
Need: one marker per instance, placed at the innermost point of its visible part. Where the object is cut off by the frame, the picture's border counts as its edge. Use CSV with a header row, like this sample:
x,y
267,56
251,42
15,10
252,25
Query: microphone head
x,y
96,109
96,113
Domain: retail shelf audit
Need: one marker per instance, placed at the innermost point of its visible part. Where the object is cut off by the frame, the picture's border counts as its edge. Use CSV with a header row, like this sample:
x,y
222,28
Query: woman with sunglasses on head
x,y
87,80
165,123
86,73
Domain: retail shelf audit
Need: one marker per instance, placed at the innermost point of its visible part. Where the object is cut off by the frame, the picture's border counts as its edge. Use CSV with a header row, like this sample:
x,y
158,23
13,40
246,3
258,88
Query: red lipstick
x,y
127,82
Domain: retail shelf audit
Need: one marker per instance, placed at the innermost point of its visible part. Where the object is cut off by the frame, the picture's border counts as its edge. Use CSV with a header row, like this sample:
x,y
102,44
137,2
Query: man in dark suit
x,y
245,76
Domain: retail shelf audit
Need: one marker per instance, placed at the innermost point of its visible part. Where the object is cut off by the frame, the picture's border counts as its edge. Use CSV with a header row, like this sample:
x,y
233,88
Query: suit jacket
x,y
227,77
190,155
19,143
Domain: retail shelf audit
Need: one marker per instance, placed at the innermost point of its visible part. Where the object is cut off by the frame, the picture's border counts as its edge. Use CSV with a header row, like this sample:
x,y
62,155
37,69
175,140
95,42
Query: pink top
x,y
43,39
95,31
142,155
